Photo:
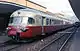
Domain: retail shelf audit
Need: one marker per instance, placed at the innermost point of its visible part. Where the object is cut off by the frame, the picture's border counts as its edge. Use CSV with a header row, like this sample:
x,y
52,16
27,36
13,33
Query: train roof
x,y
32,12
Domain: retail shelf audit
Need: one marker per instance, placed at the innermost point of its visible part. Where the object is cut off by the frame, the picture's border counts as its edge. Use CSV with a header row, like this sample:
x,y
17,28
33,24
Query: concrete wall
x,y
21,2
27,4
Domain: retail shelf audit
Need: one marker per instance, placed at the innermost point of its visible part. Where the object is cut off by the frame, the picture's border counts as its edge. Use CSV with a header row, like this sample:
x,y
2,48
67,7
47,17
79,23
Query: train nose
x,y
24,29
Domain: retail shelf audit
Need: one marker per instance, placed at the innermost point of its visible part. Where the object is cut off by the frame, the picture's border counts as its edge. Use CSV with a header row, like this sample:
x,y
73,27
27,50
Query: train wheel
x,y
13,37
16,38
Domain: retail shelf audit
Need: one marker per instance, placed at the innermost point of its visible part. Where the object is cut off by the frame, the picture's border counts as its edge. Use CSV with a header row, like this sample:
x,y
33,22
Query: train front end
x,y
18,26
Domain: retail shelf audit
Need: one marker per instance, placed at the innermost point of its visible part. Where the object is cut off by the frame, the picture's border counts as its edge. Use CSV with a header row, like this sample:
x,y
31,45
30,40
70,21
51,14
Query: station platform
x,y
75,46
4,39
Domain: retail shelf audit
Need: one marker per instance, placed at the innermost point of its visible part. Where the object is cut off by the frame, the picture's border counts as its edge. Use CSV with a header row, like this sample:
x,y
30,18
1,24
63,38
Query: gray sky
x,y
57,6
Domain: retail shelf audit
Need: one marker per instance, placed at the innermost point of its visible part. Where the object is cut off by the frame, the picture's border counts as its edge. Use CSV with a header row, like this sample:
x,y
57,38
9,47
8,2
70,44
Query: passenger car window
x,y
15,20
47,21
50,21
31,20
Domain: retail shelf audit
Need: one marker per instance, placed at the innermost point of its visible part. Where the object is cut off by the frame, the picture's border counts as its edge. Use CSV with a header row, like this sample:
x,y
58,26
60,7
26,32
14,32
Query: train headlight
x,y
8,28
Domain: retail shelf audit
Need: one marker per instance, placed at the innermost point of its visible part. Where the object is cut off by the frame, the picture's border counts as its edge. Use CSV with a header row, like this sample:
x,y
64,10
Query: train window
x,y
11,20
61,22
15,20
31,20
47,21
57,21
50,21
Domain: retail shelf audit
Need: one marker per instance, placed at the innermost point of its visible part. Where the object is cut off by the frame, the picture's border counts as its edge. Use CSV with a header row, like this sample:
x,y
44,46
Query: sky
x,y
56,6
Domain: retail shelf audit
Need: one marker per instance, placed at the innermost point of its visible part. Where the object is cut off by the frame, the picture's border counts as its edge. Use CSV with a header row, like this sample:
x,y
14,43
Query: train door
x,y
43,24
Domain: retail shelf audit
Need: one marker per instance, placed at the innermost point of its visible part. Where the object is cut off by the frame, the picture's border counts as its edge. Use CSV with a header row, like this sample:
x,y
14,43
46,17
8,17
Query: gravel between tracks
x,y
35,46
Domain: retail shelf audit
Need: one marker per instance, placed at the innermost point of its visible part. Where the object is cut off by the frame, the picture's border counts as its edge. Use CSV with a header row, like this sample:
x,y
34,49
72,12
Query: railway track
x,y
13,47
35,46
8,45
16,46
62,45
65,42
4,43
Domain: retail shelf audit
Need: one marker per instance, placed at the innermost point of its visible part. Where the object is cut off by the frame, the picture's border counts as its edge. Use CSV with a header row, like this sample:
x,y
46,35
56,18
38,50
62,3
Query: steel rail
x,y
67,40
55,40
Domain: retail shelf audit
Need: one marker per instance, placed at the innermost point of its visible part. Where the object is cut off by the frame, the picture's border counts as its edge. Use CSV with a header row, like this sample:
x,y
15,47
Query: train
x,y
29,23
76,24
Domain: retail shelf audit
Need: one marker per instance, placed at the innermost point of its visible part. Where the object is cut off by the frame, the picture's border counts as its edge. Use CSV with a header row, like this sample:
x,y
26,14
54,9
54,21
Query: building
x,y
9,6
27,3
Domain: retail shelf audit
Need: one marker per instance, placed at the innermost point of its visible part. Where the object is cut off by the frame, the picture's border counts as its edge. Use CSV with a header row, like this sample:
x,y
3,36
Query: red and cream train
x,y
28,23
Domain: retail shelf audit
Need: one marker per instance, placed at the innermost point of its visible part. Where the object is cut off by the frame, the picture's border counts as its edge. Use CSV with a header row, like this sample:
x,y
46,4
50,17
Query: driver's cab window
x,y
11,20
15,20
31,20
